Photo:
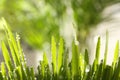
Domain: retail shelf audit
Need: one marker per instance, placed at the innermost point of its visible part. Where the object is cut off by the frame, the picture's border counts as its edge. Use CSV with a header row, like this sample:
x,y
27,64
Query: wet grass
x,y
15,68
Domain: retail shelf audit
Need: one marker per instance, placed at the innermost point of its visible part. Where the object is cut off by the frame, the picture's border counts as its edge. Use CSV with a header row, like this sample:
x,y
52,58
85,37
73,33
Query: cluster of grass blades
x,y
15,68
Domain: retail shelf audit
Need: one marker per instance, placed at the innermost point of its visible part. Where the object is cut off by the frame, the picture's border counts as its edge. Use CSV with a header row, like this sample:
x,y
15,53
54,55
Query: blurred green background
x,y
37,20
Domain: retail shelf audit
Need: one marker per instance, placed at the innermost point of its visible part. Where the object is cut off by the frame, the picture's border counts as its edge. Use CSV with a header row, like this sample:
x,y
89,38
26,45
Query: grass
x,y
14,66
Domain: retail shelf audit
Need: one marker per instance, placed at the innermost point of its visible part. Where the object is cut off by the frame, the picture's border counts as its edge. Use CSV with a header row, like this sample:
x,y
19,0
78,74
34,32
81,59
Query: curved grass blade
x,y
14,56
7,57
22,57
11,38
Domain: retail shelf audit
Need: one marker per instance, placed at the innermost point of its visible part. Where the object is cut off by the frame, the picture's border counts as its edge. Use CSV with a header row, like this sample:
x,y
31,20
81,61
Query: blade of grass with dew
x,y
4,24
7,57
88,74
53,52
75,61
74,71
22,57
60,54
18,73
14,55
86,64
24,72
81,65
12,39
106,50
3,71
116,54
14,46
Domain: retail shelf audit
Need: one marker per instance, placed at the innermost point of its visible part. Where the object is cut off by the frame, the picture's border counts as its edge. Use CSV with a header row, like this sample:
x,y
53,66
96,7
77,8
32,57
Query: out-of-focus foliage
x,y
87,13
37,20
59,6
34,20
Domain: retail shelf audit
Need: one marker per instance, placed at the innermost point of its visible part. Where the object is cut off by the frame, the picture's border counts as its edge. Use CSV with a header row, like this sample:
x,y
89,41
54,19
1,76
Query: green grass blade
x,y
75,60
18,73
96,61
42,69
81,65
53,52
32,74
116,54
3,69
45,67
60,54
106,51
11,75
117,71
98,73
14,56
86,57
22,57
86,64
97,51
24,73
66,65
11,38
7,57
45,60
